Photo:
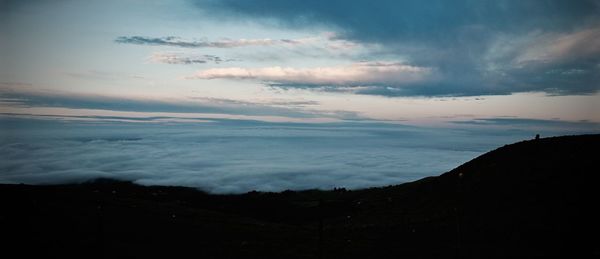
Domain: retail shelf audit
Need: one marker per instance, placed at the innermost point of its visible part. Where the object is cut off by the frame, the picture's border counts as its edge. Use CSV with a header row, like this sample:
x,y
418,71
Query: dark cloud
x,y
11,6
473,44
414,20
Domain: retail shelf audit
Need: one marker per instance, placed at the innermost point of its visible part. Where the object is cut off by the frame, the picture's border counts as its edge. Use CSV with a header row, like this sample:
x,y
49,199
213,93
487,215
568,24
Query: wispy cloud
x,y
108,76
558,48
570,127
320,46
36,99
557,63
362,73
178,58
269,101
31,103
178,42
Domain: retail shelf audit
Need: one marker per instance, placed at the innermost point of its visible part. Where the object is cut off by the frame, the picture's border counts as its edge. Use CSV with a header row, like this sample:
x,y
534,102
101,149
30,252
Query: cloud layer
x,y
240,156
232,157
364,73
17,98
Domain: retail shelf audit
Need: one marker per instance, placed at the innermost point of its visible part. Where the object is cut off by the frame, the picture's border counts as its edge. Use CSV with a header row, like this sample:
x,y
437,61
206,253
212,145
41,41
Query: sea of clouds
x,y
238,156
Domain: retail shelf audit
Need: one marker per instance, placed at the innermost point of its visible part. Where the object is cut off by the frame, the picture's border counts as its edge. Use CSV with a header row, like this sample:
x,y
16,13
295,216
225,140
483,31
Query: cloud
x,y
236,156
269,101
178,42
363,73
553,127
233,156
176,58
562,48
15,98
548,46
557,63
72,106
319,46
106,76
412,20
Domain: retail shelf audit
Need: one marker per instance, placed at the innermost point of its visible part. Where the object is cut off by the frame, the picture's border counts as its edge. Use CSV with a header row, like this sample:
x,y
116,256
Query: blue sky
x,y
528,66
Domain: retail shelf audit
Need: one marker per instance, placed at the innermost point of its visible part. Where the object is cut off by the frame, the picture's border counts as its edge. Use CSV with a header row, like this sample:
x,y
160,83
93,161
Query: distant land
x,y
532,198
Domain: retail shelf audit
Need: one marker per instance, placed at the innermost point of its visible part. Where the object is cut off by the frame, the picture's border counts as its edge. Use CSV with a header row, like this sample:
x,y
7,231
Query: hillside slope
x,y
532,198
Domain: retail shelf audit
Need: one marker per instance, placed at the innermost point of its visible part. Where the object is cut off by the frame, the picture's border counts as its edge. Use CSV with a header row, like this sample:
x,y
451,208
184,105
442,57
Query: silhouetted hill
x,y
532,198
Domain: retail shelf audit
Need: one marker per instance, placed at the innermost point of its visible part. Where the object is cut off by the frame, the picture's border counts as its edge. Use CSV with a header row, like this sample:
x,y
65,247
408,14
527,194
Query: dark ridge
x,y
532,198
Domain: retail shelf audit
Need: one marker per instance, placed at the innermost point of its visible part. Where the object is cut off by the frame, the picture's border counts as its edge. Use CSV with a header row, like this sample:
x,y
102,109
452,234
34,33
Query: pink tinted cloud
x,y
362,73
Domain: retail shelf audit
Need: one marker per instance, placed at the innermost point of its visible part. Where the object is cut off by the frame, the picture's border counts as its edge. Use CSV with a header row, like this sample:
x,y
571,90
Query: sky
x,y
154,67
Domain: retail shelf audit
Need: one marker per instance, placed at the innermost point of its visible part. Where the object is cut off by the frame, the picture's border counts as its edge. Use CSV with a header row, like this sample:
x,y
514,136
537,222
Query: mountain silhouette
x,y
533,198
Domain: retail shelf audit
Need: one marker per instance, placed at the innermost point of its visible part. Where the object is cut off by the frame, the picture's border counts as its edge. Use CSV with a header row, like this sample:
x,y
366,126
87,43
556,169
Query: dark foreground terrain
x,y
532,198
